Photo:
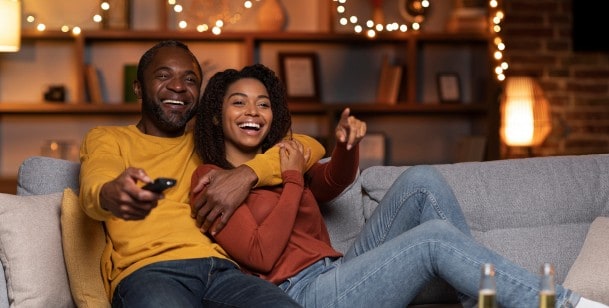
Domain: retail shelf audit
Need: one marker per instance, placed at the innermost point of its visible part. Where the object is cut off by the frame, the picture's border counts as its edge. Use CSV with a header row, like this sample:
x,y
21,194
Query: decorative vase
x,y
378,16
271,16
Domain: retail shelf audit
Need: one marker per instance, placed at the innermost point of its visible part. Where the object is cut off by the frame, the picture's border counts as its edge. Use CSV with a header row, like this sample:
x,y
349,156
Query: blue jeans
x,y
416,234
205,282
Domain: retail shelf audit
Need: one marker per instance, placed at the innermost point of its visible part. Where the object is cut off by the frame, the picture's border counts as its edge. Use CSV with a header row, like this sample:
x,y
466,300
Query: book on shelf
x,y
390,80
93,87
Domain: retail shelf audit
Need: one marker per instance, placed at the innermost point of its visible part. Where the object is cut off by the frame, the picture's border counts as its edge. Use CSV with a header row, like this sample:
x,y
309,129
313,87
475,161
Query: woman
x,y
416,234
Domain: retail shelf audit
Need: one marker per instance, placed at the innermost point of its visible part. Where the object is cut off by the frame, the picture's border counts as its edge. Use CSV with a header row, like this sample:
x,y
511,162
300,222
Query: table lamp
x,y
10,23
525,114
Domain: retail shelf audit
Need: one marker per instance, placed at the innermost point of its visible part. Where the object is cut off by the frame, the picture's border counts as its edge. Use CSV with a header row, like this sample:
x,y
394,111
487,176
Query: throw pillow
x,y
83,243
588,275
31,253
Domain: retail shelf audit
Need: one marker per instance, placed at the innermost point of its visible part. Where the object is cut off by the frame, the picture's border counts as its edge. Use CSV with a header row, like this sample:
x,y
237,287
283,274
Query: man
x,y
155,255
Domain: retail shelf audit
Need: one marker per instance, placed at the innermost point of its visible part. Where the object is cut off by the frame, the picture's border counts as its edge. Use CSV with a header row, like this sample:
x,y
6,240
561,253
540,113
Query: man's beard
x,y
172,122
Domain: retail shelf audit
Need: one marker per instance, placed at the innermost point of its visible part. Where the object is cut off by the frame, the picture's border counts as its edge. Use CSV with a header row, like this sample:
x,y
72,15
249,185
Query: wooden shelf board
x,y
295,107
8,185
387,108
55,108
147,35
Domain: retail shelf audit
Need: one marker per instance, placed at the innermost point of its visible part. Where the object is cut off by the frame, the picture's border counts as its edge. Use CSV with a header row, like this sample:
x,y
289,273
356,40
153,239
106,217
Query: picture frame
x,y
449,87
118,17
299,72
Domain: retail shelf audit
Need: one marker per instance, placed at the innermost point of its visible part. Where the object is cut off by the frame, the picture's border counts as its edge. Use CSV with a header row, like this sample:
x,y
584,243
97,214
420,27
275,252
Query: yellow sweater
x,y
168,232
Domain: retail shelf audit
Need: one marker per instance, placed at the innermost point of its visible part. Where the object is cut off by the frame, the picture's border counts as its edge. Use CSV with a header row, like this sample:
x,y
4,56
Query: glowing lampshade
x,y
10,25
525,113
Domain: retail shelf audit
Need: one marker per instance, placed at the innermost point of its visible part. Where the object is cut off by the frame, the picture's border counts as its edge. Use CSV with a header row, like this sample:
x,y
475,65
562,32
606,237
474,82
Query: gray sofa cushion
x,y
344,216
40,175
518,193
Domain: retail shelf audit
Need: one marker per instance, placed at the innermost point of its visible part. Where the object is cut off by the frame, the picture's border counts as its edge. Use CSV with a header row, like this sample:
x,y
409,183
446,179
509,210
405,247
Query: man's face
x,y
170,92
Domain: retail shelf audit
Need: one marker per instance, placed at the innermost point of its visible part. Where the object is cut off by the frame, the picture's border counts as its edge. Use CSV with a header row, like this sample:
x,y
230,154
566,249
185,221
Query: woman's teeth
x,y
255,126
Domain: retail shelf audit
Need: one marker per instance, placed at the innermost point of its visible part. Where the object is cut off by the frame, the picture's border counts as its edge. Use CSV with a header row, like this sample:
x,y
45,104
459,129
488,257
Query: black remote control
x,y
160,184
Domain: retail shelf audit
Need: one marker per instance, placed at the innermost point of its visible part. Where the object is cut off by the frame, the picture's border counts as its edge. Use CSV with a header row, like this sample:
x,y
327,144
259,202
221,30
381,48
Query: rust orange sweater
x,y
280,230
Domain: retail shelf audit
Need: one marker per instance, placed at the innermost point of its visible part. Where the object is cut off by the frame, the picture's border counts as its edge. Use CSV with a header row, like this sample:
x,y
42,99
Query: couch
x,y
532,210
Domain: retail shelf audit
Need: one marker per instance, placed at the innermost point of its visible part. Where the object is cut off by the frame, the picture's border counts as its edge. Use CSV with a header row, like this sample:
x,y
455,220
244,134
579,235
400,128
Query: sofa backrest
x,y
517,192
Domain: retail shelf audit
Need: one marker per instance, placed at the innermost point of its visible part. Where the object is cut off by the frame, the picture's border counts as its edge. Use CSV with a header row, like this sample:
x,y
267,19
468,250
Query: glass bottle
x,y
488,290
547,291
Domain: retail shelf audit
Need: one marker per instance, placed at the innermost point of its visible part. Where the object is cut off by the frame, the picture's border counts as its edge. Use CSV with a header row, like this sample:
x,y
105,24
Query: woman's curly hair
x,y
208,132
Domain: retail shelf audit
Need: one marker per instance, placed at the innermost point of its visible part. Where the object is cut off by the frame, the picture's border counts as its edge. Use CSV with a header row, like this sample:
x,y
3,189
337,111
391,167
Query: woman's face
x,y
246,119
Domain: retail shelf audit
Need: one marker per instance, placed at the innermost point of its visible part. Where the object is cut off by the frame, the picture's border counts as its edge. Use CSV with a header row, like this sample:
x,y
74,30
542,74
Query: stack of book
x,y
93,85
390,80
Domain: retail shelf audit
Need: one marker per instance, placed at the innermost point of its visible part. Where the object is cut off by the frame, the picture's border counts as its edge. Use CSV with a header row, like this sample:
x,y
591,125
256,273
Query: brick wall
x,y
537,35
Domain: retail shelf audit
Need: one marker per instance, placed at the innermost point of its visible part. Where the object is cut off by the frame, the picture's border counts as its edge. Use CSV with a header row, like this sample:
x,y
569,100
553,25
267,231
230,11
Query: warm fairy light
x,y
496,17
215,27
202,28
498,55
371,27
75,29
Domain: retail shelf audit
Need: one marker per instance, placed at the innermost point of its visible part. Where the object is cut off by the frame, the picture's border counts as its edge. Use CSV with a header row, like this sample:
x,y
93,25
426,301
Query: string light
x,y
75,29
496,18
214,23
377,24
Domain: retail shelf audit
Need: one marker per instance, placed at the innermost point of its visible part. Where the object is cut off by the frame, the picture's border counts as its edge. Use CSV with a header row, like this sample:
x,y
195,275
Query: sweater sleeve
x,y
267,167
258,242
328,180
100,163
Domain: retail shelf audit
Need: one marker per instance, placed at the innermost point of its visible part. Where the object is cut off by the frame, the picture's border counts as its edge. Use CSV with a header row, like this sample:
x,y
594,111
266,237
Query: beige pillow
x,y
589,274
30,250
83,243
